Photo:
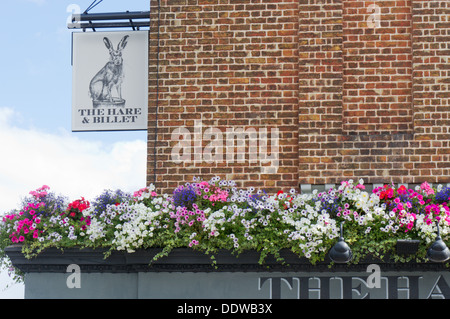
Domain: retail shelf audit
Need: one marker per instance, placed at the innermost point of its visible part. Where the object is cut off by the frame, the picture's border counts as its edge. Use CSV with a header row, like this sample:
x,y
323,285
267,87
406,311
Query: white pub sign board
x,y
110,81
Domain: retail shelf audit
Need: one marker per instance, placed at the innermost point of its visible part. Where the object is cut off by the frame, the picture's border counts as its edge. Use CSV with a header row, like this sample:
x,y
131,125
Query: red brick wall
x,y
431,90
377,67
320,89
230,65
349,100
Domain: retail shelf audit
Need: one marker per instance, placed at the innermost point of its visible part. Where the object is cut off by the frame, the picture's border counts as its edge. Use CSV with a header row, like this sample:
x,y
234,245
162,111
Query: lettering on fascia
x,y
356,287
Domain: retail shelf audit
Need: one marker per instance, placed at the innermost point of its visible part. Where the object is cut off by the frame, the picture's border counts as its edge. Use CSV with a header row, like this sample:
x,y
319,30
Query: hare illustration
x,y
110,76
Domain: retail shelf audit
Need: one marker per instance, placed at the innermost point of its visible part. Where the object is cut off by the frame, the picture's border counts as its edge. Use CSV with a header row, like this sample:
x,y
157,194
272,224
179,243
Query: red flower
x,y
77,207
386,194
289,198
402,190
79,204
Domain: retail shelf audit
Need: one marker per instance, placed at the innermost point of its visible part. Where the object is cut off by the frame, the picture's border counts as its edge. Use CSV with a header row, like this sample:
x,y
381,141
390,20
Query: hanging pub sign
x,y
110,81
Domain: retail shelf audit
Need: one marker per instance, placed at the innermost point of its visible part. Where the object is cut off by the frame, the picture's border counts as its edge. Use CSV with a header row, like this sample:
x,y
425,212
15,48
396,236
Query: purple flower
x,y
184,196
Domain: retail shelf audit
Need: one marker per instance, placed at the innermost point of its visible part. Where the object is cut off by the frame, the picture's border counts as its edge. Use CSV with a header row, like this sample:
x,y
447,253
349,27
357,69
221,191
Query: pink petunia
x,y
427,188
193,242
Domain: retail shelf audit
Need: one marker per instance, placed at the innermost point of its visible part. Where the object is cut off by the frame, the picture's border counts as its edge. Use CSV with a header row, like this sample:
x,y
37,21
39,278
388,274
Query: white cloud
x,y
70,166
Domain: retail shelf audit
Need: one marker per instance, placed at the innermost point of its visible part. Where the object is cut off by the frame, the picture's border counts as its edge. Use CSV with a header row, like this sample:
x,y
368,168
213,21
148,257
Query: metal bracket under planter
x,y
407,246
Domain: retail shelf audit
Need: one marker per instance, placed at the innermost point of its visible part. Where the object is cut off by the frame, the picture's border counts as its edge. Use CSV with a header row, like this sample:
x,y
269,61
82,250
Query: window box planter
x,y
189,274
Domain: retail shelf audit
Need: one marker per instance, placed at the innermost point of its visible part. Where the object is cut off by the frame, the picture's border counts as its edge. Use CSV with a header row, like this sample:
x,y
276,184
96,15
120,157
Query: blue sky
x,y
37,144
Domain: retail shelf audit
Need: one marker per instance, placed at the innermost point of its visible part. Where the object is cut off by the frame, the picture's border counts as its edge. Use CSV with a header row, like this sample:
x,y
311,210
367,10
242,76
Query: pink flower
x,y
139,192
40,192
426,188
204,184
401,190
193,242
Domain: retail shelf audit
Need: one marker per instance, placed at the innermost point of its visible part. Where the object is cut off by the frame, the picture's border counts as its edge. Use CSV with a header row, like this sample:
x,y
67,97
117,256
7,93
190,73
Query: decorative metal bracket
x,y
134,20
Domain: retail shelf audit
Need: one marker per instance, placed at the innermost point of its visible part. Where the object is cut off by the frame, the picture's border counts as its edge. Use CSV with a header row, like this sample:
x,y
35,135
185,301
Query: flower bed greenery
x,y
215,214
